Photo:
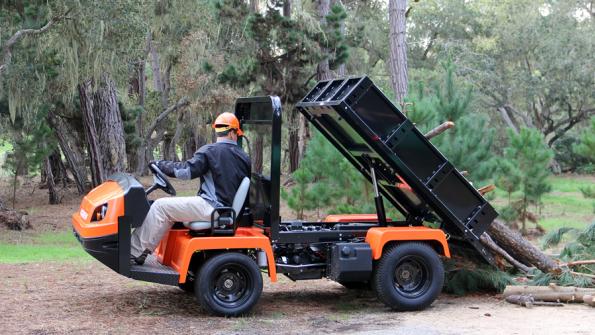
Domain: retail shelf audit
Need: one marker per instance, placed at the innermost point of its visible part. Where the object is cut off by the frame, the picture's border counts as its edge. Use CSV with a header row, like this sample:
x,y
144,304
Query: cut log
x,y
439,130
521,249
550,293
486,189
589,300
528,301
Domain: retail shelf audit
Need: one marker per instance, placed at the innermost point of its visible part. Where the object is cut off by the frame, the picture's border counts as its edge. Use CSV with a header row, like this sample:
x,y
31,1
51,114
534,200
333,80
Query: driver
x,y
221,167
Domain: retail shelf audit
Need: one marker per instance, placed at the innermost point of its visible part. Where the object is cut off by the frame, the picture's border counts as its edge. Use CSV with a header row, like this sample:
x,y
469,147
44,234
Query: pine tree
x,y
586,147
525,163
469,144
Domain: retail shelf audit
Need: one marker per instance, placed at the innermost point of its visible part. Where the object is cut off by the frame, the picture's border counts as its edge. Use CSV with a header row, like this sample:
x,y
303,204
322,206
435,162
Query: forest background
x,y
88,88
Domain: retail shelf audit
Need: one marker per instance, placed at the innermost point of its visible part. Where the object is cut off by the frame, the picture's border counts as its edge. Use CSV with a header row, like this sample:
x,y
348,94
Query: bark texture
x,y
398,48
521,249
110,128
86,100
550,293
70,142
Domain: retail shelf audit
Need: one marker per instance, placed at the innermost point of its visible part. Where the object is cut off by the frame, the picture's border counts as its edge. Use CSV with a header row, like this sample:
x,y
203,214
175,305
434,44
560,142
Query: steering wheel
x,y
160,181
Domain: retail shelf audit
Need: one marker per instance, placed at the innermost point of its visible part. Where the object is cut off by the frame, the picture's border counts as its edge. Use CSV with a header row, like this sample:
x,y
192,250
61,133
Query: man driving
x,y
221,167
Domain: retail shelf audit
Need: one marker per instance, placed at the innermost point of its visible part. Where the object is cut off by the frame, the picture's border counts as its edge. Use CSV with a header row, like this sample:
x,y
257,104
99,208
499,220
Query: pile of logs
x,y
552,295
12,219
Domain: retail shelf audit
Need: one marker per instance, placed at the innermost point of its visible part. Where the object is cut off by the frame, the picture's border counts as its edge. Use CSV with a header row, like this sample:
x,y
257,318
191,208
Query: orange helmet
x,y
226,121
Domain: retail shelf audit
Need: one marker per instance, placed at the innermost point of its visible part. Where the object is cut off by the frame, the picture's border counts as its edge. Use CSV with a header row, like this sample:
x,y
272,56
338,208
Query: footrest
x,y
155,272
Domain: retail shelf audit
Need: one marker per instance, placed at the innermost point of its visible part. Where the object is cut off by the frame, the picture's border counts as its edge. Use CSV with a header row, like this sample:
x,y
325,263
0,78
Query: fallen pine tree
x,y
518,251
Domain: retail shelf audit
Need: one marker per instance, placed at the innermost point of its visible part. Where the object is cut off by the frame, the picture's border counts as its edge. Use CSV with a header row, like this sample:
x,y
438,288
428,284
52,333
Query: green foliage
x,y
586,147
581,246
525,163
469,144
569,160
325,179
461,281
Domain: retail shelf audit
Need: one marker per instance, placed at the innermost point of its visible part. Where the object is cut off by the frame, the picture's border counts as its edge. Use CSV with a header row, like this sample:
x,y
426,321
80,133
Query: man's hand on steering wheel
x,y
160,180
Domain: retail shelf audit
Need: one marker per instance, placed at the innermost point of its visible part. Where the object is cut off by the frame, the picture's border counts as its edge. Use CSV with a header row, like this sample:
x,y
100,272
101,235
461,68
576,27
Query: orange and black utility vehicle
x,y
221,260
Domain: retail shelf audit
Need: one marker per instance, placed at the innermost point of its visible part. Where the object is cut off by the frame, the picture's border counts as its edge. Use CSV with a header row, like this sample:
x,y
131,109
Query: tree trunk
x,y
519,248
13,220
323,71
110,128
166,146
550,293
286,8
149,142
176,138
398,48
257,153
92,139
70,140
54,198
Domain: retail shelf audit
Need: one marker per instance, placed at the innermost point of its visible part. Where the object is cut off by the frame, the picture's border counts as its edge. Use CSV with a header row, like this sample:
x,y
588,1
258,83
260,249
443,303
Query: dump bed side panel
x,y
370,131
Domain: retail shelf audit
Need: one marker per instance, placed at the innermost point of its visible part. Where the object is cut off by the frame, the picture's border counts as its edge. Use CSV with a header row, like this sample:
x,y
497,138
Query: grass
x,y
45,247
564,206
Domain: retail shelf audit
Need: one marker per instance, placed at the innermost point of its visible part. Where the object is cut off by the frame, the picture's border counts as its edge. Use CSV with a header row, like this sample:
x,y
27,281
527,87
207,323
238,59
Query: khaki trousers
x,y
163,214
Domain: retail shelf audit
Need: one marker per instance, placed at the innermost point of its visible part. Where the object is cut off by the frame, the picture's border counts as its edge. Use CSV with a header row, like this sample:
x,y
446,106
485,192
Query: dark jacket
x,y
221,167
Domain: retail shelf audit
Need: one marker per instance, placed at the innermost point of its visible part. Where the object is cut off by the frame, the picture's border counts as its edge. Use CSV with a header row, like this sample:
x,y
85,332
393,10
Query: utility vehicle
x,y
221,260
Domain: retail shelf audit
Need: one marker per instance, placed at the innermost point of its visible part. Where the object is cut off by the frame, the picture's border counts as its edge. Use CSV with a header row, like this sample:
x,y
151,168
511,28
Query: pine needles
x,y
464,280
582,247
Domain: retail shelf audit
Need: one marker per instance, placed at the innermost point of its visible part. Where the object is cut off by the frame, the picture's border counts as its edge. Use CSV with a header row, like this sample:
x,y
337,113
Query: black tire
x,y
228,284
408,277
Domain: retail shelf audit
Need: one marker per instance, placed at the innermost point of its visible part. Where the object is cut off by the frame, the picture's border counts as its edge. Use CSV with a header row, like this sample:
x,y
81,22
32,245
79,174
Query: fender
x,y
179,248
377,238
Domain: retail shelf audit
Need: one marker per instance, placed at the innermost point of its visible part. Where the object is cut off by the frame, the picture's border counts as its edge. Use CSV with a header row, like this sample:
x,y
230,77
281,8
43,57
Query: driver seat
x,y
238,202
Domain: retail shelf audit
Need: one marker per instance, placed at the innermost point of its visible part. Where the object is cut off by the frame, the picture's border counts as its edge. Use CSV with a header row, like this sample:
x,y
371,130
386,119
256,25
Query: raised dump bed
x,y
371,132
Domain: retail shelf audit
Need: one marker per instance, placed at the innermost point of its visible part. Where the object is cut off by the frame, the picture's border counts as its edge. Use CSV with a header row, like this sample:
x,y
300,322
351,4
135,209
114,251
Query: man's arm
x,y
190,169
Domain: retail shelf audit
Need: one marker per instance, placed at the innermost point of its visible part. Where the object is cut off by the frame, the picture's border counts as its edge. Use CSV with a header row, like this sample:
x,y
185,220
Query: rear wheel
x,y
229,284
408,277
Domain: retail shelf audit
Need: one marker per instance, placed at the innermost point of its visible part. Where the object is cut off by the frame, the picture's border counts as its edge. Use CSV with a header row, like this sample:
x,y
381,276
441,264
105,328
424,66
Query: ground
x,y
86,297
49,285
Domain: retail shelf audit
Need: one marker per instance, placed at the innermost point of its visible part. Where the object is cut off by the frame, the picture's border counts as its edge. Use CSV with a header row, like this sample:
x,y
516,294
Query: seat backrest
x,y
240,197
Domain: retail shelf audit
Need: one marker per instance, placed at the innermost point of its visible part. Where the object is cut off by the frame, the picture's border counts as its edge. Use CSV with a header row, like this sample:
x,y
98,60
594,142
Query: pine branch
x,y
7,48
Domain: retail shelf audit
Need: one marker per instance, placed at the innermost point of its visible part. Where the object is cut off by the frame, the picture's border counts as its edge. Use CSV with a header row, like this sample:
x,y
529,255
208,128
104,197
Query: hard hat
x,y
226,121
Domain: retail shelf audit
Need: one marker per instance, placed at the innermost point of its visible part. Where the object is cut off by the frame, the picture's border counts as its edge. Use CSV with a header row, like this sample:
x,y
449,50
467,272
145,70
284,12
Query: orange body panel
x,y
378,237
177,248
109,193
353,218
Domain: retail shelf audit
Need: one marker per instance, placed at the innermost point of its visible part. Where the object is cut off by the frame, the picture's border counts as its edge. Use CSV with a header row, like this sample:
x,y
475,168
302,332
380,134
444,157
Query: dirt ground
x,y
85,297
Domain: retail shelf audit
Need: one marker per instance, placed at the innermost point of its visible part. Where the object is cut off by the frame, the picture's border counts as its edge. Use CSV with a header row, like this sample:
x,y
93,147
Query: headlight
x,y
99,213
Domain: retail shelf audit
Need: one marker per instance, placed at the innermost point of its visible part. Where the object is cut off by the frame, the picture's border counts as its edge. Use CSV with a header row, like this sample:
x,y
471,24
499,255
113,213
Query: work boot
x,y
140,260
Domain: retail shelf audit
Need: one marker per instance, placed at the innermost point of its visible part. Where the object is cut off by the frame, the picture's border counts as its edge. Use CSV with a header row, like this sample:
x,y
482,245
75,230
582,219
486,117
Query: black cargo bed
x,y
356,117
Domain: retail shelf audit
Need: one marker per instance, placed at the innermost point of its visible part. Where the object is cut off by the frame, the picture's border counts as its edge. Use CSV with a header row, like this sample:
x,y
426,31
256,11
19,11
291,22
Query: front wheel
x,y
229,284
408,277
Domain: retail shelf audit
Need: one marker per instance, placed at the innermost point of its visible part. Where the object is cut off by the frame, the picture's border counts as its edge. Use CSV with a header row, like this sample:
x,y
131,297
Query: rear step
x,y
155,272
371,132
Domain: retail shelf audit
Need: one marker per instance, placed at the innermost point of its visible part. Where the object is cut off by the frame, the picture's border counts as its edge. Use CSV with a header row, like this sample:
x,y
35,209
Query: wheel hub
x,y
230,285
411,277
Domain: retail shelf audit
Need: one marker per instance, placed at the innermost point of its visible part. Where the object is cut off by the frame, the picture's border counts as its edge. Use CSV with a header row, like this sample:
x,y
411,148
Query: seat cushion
x,y
198,225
